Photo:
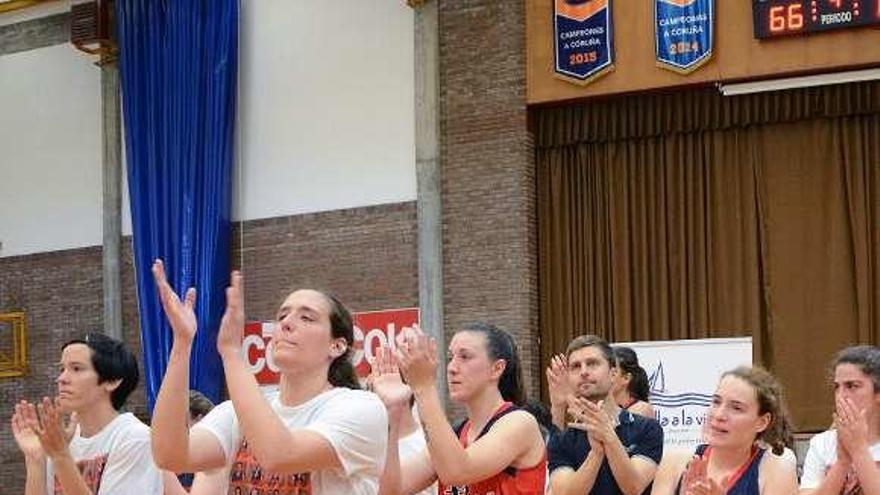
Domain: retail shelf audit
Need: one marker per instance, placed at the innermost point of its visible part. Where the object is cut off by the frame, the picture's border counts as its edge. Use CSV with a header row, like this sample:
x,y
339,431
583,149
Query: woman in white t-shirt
x,y
108,452
405,434
317,434
844,460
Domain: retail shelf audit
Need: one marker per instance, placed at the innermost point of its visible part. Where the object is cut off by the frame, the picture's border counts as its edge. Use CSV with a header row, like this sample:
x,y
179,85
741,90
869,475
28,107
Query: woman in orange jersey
x,y
497,449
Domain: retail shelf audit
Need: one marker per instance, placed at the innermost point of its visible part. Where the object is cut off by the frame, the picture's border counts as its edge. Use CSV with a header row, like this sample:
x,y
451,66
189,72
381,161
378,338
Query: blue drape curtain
x,y
178,64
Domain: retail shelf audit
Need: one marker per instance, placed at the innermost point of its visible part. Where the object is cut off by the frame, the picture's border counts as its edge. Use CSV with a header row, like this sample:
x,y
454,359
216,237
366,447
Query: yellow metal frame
x,y
17,365
20,4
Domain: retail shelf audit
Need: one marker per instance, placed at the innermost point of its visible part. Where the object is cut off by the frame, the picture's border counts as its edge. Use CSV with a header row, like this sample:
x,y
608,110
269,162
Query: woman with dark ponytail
x,y
341,372
318,434
497,449
746,423
631,388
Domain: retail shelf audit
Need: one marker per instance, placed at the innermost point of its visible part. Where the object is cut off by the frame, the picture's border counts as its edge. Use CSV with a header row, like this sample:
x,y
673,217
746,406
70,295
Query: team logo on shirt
x,y
91,470
487,487
247,477
460,490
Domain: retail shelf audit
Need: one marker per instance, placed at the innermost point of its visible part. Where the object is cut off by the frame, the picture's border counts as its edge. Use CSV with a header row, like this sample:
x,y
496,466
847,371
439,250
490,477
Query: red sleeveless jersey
x,y
511,481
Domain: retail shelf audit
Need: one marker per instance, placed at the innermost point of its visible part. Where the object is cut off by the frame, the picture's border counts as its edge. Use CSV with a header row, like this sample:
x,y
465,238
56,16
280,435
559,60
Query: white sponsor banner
x,y
683,375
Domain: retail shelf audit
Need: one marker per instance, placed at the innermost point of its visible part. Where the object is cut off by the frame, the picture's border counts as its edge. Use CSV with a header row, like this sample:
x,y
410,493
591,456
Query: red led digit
x,y
796,16
777,19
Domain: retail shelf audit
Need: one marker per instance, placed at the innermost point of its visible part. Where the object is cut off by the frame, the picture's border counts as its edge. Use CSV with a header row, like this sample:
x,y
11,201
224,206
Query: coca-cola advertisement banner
x,y
371,330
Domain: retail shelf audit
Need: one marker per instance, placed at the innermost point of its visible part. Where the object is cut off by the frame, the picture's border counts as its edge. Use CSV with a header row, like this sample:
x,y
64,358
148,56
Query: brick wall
x,y
367,256
490,263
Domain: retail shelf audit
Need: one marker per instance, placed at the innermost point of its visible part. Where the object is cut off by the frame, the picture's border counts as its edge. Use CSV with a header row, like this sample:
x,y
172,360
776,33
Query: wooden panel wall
x,y
738,55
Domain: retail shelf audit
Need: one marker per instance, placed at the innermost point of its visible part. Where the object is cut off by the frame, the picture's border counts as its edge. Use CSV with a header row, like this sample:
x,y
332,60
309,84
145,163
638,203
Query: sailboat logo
x,y
661,397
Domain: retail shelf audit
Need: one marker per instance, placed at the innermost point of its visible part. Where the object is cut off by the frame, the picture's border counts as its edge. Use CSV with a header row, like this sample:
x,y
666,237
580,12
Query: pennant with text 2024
x,y
684,33
583,39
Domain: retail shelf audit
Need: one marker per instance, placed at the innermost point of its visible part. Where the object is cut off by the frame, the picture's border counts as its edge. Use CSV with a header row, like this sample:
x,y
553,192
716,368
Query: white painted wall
x,y
325,122
326,110
50,151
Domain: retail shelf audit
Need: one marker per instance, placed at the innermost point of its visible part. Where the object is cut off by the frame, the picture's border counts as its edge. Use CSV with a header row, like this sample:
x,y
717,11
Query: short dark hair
x,y
112,361
592,341
199,405
865,357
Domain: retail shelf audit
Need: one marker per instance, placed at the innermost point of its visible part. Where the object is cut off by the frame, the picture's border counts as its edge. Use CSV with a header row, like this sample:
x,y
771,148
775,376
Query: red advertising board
x,y
371,330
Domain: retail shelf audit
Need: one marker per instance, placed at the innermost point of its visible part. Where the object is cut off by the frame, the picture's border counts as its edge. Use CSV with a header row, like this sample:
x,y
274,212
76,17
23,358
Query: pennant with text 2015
x,y
684,33
583,39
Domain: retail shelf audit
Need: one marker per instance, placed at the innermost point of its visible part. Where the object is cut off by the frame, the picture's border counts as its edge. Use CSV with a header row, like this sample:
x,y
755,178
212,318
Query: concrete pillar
x,y
430,222
112,200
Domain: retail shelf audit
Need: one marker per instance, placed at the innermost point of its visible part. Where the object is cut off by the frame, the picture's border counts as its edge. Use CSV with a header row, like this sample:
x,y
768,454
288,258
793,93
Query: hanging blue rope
x,y
178,64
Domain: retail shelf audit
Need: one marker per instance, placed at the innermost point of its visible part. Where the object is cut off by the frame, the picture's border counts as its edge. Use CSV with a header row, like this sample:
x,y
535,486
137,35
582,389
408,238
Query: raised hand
x,y
386,382
25,437
47,422
232,324
557,381
694,474
417,358
579,410
181,314
696,480
592,419
852,427
710,487
577,407
600,422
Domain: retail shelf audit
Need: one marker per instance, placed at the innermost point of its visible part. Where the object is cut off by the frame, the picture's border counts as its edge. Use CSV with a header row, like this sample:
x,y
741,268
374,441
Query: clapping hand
x,y
386,382
696,480
557,381
592,419
181,314
25,437
46,423
417,358
232,324
852,428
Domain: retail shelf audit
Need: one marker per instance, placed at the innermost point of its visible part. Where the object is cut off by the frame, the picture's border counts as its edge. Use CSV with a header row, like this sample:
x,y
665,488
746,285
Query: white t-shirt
x,y
117,460
354,422
821,455
414,444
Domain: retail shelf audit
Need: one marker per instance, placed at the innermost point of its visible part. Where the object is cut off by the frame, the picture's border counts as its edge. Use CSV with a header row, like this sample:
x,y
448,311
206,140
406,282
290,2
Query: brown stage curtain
x,y
692,215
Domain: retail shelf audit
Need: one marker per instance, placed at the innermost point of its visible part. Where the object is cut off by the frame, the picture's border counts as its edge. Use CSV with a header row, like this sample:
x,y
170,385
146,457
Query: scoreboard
x,y
774,18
